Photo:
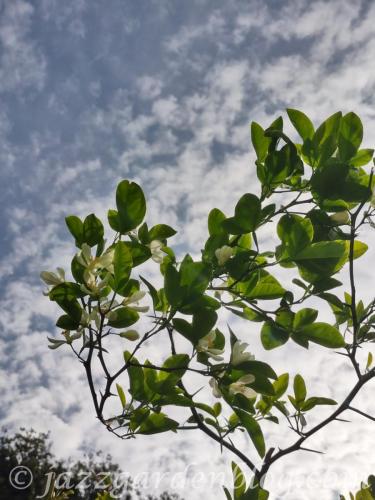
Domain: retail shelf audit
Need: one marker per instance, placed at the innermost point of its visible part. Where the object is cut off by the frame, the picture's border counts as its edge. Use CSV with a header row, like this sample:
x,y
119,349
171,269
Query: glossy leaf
x,y
304,317
75,226
131,206
93,230
156,423
121,394
253,429
246,215
350,136
295,232
301,123
123,317
299,388
273,336
122,264
215,218
259,140
323,334
161,232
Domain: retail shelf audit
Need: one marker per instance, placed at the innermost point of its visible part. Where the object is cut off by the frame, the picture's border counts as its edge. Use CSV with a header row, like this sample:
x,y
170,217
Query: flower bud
x,y
130,335
340,217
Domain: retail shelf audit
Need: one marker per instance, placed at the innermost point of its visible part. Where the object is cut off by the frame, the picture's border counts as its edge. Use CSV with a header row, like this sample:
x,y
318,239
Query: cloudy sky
x,y
161,92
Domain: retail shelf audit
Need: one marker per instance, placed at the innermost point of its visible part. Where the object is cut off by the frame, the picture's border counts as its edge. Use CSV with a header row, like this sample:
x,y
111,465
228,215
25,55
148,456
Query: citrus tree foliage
x,y
316,196
367,491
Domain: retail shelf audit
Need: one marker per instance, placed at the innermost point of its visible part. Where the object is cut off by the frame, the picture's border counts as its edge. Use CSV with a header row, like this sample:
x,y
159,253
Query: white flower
x,y
93,264
223,254
53,279
87,318
340,217
206,344
215,388
134,300
157,255
240,387
239,355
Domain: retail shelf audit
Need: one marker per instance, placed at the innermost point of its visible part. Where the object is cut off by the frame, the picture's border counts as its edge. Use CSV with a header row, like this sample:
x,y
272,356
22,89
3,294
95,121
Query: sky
x,y
161,92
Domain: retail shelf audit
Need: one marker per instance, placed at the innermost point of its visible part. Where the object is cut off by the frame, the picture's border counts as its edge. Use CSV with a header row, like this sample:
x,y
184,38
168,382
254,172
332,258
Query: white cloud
x,y
22,64
214,81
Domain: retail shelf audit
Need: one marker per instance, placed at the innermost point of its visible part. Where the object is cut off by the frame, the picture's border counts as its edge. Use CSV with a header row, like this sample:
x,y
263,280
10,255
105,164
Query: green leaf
x,y
131,205
66,295
67,323
350,136
336,184
173,291
179,364
257,368
113,220
247,214
325,138
295,232
363,157
204,321
123,317
359,248
299,388
266,288
281,385
323,334
194,278
93,230
75,226
280,164
136,377
301,123
314,401
273,336
263,386
161,232
183,327
156,423
140,253
215,218
143,234
322,250
253,429
239,482
120,392
259,140
122,264
304,317
77,270
152,291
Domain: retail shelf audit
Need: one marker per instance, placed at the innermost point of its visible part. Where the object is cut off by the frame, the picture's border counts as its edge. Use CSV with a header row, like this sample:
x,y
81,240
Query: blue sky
x,y
161,92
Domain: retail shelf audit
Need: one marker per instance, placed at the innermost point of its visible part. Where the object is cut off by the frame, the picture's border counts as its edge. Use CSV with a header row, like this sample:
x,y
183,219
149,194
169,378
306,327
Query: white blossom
x,y
215,388
157,255
240,387
238,353
223,254
53,279
206,344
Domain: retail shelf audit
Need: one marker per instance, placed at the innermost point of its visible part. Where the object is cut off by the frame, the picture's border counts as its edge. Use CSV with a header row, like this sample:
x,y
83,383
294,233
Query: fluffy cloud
x,y
92,95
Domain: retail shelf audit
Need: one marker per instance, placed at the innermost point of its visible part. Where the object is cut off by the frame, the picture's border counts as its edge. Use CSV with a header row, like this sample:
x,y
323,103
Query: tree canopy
x,y
316,195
